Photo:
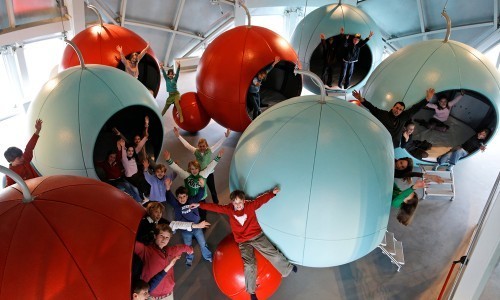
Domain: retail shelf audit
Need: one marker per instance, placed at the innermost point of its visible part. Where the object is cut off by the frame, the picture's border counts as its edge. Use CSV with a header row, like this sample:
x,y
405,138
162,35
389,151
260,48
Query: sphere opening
x,y
280,84
130,122
149,72
328,68
472,113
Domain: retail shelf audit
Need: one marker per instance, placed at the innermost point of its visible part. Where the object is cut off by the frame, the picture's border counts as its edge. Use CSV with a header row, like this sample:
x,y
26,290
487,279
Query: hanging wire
x,y
444,7
59,4
448,22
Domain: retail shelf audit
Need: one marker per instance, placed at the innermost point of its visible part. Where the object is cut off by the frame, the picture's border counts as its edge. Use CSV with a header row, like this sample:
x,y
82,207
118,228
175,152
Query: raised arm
x,y
219,143
178,71
141,144
457,98
211,166
416,107
30,146
118,133
182,173
183,141
122,57
155,280
143,52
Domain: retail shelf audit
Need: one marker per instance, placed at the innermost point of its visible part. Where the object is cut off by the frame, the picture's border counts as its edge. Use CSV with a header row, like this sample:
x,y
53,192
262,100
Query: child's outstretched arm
x,y
182,173
211,166
155,280
143,52
221,141
183,141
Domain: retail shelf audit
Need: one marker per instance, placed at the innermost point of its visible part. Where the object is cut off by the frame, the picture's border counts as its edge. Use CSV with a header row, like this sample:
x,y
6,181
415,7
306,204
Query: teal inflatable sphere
x,y
409,72
329,19
334,163
75,107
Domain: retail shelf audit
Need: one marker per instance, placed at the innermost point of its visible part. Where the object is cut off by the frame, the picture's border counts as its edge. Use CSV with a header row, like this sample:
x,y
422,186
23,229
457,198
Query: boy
x,y
249,235
19,162
186,214
158,257
473,144
157,181
253,96
140,290
174,97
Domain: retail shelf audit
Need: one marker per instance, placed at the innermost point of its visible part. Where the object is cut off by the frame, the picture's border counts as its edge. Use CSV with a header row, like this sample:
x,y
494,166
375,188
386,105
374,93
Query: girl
x,y
131,65
193,174
406,201
203,155
173,94
441,113
129,161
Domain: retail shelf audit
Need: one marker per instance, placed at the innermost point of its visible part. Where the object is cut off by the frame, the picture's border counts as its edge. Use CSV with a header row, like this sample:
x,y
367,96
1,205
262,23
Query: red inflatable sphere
x,y
229,275
98,46
228,66
73,241
195,116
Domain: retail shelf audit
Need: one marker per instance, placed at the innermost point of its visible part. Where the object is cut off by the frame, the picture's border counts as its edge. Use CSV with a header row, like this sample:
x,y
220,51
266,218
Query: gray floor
x,y
438,235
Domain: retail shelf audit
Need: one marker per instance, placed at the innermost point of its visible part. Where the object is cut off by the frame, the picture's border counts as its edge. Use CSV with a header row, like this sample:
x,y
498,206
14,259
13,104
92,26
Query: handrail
x,y
475,236
27,197
316,80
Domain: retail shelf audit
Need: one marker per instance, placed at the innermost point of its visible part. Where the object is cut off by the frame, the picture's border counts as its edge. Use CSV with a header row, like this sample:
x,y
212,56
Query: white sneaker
x,y
435,168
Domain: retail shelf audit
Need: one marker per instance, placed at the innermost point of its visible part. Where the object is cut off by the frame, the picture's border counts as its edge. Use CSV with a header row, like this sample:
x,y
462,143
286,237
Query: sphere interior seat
x,y
361,68
280,84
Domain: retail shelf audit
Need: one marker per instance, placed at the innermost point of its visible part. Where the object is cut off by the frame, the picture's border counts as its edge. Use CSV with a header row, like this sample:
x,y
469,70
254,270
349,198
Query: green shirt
x,y
171,83
399,196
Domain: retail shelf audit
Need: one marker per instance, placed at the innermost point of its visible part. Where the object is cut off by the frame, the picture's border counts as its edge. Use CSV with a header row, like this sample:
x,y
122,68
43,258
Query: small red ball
x,y
229,275
195,116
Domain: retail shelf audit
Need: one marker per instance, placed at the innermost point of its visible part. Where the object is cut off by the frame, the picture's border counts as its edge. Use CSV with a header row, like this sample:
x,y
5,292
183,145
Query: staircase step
x,y
390,247
438,192
399,256
384,242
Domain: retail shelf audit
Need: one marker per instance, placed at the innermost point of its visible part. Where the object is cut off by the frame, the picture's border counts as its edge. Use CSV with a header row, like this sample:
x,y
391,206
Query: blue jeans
x,y
347,68
452,157
187,236
128,188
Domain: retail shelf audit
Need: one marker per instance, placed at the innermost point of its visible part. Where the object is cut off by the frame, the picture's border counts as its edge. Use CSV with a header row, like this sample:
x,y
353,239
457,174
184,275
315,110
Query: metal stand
x,y
393,249
445,189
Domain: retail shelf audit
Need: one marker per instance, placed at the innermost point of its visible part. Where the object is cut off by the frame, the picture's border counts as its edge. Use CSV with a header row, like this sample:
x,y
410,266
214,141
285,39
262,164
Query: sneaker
x,y
189,263
450,168
294,269
435,168
209,260
253,297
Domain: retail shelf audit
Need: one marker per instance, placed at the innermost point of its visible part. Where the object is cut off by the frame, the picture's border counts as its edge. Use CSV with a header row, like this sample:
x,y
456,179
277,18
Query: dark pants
x,y
327,76
253,103
347,68
437,125
211,187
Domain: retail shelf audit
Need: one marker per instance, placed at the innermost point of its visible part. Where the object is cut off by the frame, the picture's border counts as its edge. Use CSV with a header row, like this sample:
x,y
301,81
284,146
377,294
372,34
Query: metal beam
x,y
33,30
163,28
421,17
10,13
103,9
123,10
490,41
211,36
177,18
478,25
76,12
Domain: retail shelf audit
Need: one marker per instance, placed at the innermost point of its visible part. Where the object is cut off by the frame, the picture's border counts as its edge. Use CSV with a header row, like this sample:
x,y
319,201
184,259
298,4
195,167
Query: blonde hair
x,y
160,167
202,140
195,164
152,206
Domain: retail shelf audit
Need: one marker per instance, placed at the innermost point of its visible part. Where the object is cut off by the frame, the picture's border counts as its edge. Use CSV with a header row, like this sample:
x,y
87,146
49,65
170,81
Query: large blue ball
x,y
334,163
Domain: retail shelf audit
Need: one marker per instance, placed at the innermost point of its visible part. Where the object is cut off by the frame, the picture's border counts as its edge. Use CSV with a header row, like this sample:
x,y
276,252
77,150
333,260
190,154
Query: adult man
x,y
395,119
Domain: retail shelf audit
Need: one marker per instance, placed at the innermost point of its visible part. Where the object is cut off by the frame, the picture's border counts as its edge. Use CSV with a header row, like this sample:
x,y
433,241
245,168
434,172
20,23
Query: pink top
x,y
443,114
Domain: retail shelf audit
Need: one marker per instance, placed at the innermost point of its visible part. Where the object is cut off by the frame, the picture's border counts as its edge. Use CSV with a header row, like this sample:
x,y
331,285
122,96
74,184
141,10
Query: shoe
x,y
209,260
294,269
450,168
253,297
435,168
189,263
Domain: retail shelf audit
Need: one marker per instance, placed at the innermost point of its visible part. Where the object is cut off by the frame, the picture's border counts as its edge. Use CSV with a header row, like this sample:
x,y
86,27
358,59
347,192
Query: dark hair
x,y
139,285
485,130
163,227
407,210
181,190
400,103
170,71
110,152
133,155
409,122
405,174
439,106
12,153
237,194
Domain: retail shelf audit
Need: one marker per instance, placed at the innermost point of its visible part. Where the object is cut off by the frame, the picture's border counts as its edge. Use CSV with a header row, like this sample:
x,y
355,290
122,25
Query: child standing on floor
x,y
173,94
192,175
249,235
20,162
203,155
180,202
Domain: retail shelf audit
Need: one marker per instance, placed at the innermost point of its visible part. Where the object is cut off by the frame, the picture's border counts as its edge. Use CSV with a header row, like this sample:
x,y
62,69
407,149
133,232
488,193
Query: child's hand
x,y
322,36
419,184
221,152
201,182
371,34
482,147
119,48
276,190
357,95
145,164
166,155
341,30
203,224
38,126
435,178
194,205
276,60
172,263
161,65
228,131
176,132
115,131
406,136
178,64
168,183
121,143
146,121
429,94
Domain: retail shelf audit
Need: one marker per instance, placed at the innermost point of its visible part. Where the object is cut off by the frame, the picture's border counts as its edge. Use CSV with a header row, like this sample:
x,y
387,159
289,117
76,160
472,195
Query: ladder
x,y
393,249
445,189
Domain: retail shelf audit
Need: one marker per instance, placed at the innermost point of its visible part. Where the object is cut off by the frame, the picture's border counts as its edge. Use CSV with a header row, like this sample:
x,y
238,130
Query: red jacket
x,y
25,170
243,223
155,260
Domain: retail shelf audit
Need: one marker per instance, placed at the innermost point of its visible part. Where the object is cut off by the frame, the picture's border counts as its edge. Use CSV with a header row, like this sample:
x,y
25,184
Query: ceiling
x,y
177,28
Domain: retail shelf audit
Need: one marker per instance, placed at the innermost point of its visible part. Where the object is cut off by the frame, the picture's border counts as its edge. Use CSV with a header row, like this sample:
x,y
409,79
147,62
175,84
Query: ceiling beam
x,y
491,40
123,10
76,12
103,9
223,27
33,30
464,27
164,28
421,17
177,18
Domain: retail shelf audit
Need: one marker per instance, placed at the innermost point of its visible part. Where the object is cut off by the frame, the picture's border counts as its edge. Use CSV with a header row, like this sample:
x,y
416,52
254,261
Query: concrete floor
x,y
438,235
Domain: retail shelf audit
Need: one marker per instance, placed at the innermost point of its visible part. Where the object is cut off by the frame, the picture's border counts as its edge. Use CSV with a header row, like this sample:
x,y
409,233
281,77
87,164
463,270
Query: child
x,y
249,235
253,97
157,181
19,162
441,113
406,201
471,145
350,55
193,174
173,94
131,66
203,155
415,147
182,212
330,51
157,257
140,290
